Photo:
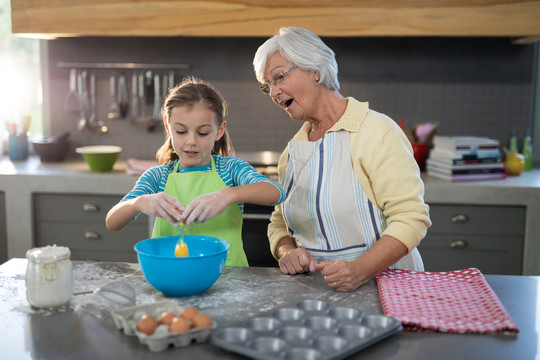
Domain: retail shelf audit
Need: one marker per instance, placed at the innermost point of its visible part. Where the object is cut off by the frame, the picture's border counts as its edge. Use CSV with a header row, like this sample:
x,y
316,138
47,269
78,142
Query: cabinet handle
x,y
460,218
90,206
91,235
257,216
458,244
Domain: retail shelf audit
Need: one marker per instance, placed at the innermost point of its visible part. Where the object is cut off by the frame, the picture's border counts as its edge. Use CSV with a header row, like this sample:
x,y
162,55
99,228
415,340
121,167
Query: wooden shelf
x,y
64,18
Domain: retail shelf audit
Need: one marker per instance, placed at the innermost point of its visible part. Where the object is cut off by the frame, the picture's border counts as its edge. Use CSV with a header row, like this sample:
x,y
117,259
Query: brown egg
x,y
147,324
179,325
166,317
189,313
202,321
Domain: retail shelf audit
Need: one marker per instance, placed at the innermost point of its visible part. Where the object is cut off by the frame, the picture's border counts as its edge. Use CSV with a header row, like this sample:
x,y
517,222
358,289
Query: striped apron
x,y
326,210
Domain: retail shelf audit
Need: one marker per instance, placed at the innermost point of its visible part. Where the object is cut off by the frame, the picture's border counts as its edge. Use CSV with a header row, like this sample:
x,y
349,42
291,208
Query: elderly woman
x,y
354,202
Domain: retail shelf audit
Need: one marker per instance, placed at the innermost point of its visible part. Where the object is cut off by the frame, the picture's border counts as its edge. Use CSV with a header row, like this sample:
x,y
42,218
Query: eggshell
x,y
201,321
166,317
147,324
179,325
189,313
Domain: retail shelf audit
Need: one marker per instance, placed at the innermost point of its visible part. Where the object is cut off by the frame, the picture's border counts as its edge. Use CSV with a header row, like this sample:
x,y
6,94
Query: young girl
x,y
196,181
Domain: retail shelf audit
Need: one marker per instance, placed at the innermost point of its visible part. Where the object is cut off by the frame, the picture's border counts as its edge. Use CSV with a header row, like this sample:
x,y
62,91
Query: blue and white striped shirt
x,y
234,172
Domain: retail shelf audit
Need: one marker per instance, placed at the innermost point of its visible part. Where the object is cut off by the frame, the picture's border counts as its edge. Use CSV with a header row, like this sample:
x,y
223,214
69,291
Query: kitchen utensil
x,y
149,84
156,111
27,119
114,110
408,133
98,126
100,157
309,329
116,294
134,105
83,100
424,132
71,101
164,85
142,99
181,248
171,79
168,273
123,101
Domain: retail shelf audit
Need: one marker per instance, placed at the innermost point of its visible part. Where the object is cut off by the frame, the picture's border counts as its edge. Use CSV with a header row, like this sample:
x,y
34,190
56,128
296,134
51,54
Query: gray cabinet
x,y
489,238
78,222
3,227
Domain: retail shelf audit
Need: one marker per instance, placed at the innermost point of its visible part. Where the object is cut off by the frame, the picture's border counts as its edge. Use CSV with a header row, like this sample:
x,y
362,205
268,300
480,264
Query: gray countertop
x,y
19,180
84,330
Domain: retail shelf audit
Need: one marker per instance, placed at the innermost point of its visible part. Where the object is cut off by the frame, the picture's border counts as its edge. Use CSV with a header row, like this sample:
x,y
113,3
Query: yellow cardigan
x,y
384,166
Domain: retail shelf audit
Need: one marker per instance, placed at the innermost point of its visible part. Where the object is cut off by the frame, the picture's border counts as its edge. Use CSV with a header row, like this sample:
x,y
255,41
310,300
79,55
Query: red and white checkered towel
x,y
455,301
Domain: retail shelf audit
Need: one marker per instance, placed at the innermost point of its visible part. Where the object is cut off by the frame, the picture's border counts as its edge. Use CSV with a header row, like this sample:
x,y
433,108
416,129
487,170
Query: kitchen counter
x,y
85,330
20,179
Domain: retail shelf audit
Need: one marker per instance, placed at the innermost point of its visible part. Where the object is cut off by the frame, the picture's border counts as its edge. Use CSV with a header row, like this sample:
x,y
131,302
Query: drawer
x,y
3,229
481,220
73,207
492,255
87,236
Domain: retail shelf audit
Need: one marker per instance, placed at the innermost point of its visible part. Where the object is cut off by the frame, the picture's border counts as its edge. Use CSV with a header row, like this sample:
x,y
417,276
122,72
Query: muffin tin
x,y
126,320
310,329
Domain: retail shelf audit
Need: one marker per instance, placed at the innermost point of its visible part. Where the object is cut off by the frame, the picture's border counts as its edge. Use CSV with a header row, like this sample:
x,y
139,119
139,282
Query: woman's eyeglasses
x,y
276,81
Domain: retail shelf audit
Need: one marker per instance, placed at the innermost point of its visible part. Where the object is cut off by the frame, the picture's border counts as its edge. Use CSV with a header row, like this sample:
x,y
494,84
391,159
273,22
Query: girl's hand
x,y
205,207
161,205
342,275
297,261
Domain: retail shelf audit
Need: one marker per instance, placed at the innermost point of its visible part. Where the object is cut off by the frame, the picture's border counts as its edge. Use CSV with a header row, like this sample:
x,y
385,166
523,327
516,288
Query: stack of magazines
x,y
464,158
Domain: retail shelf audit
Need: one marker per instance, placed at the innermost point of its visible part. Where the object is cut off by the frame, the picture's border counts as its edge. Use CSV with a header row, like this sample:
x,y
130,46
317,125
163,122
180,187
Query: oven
x,y
257,217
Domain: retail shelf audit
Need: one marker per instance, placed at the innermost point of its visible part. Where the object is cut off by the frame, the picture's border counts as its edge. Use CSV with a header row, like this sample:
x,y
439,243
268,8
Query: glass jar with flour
x,y
49,278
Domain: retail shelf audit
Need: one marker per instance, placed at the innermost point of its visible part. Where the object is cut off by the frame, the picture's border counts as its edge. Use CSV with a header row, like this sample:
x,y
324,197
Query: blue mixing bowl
x,y
182,276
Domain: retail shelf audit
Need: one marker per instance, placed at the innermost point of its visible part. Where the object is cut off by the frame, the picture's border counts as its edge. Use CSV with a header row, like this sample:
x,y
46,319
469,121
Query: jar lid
x,y
48,253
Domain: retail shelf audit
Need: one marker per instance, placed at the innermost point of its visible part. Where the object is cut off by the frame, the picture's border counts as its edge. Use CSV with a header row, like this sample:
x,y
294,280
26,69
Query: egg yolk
x,y
181,250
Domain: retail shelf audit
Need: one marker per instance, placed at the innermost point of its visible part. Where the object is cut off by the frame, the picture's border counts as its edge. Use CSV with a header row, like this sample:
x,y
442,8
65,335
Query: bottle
x,y
527,153
513,148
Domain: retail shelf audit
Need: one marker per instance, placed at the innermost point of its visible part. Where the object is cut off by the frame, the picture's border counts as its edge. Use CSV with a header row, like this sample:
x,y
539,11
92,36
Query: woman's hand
x,y
296,261
342,275
205,207
161,205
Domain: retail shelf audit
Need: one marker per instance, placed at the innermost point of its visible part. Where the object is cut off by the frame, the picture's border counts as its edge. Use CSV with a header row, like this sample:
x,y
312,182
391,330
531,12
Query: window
x,y
20,85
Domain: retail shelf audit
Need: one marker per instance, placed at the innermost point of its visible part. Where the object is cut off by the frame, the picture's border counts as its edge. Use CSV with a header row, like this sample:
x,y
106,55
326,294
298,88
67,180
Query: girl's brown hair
x,y
189,92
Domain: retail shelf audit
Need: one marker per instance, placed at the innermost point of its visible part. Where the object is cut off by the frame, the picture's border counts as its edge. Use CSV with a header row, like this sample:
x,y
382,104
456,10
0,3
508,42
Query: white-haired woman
x,y
354,202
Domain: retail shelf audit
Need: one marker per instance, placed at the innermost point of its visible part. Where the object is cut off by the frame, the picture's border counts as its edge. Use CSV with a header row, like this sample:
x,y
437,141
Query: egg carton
x,y
310,329
126,320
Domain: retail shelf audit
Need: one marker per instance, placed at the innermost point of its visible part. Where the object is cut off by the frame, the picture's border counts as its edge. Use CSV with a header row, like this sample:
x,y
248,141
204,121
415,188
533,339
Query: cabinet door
x,y
491,255
3,229
78,222
489,238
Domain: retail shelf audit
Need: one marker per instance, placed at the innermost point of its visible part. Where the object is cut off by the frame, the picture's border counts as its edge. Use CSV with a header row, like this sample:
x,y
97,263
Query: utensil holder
x,y
18,147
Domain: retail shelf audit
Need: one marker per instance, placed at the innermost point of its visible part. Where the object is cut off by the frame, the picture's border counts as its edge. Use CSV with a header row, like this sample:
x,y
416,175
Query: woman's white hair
x,y
304,49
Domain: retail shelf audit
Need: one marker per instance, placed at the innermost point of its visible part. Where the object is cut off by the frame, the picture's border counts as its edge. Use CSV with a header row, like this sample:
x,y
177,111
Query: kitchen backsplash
x,y
471,86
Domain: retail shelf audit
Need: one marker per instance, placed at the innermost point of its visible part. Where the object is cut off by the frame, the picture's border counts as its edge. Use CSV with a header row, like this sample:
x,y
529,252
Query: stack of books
x,y
464,158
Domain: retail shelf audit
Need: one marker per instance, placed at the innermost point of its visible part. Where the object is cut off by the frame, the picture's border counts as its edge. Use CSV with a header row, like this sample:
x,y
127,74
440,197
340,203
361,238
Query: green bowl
x,y
100,157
